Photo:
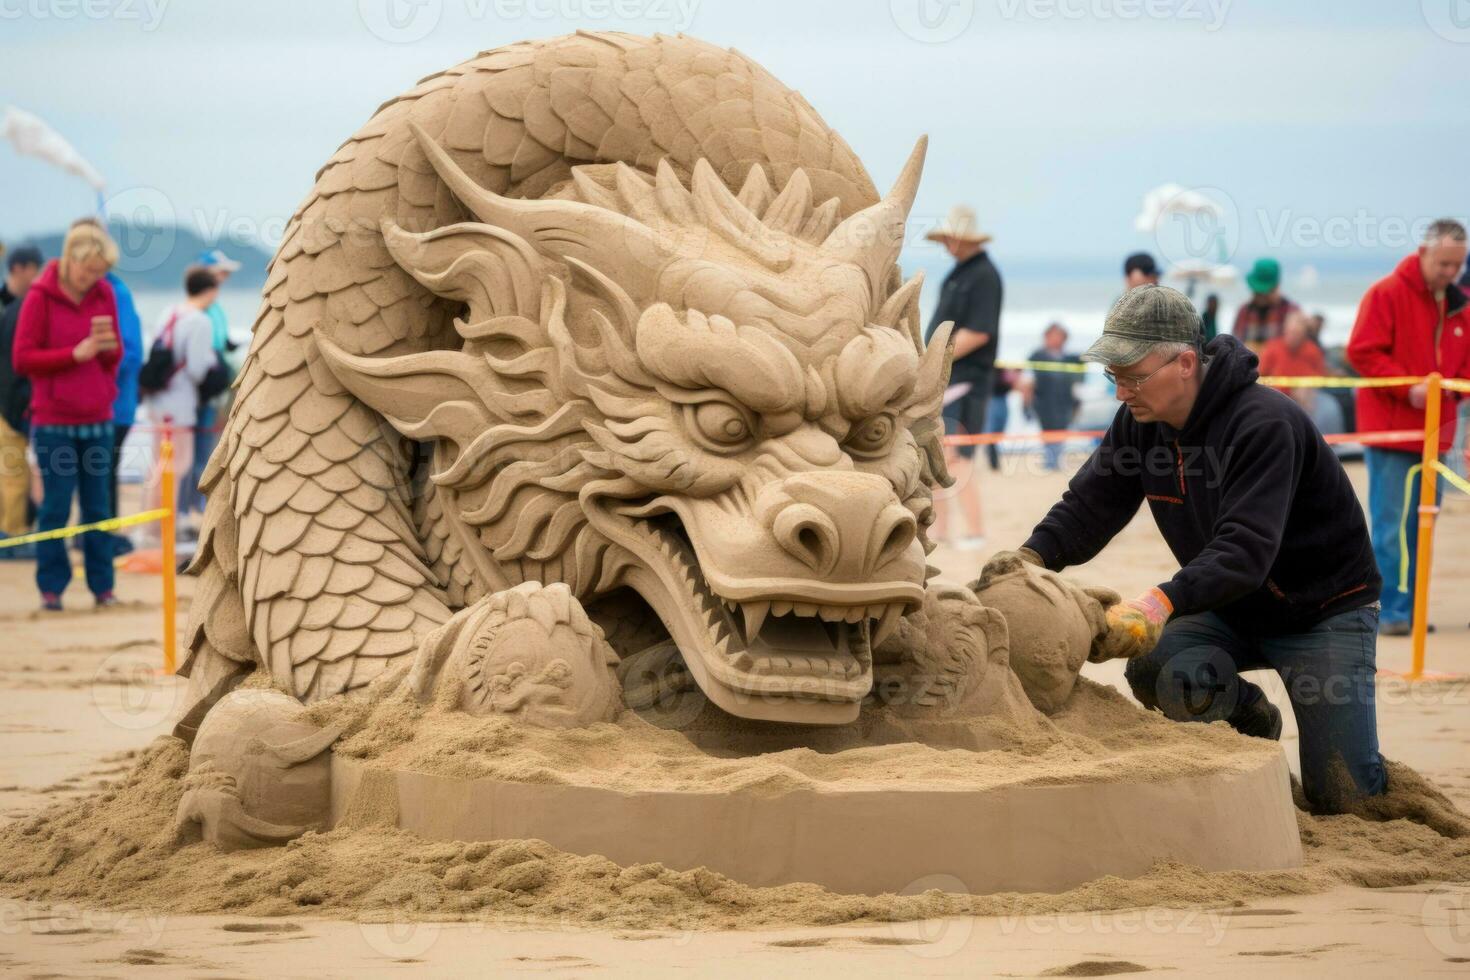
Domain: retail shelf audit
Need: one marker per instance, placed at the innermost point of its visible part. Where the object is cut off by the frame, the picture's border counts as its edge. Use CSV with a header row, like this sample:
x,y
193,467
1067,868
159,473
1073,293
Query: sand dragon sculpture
x,y
641,305
585,375
604,332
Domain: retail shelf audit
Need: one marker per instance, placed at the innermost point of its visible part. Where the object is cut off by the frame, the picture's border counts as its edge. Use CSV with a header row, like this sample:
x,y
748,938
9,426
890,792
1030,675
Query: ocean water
x,y
1032,301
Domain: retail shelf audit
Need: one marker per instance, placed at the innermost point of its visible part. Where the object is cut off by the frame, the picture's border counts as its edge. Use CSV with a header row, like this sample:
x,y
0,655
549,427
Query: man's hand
x,y
1027,555
86,350
1419,394
1134,627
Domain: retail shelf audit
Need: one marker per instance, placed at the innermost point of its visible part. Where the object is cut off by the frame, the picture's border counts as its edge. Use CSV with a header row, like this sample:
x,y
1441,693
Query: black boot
x,y
1258,719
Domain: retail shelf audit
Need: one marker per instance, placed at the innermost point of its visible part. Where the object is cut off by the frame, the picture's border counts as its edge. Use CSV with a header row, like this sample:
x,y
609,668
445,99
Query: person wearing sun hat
x,y
970,297
1264,317
1276,566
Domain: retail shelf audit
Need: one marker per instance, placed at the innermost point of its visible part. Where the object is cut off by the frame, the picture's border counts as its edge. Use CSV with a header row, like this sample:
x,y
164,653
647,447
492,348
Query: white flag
x,y
32,137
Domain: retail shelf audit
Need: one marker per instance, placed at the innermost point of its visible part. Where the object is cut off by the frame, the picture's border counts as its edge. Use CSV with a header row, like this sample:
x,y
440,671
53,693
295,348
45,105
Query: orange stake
x,y
1428,481
166,530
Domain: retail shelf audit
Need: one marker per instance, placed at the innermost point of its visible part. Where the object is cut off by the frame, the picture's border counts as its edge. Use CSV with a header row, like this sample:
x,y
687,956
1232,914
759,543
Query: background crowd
x,y
1412,322
75,370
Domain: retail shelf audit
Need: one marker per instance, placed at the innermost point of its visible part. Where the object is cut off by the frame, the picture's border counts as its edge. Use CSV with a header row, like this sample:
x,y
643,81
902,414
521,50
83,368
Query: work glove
x,y
1134,627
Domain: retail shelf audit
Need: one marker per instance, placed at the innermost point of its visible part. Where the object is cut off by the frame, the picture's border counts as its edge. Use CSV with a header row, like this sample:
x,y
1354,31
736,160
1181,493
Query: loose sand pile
x,y
118,849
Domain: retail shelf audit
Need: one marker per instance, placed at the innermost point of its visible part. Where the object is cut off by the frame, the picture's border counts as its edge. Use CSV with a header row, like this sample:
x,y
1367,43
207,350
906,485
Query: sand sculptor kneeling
x,y
1278,570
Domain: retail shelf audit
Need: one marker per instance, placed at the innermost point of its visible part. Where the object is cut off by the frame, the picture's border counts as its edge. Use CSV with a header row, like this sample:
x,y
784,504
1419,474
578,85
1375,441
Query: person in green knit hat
x,y
1264,317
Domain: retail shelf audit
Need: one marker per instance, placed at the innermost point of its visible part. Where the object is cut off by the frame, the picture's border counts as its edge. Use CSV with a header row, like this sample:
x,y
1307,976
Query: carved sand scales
x,y
582,464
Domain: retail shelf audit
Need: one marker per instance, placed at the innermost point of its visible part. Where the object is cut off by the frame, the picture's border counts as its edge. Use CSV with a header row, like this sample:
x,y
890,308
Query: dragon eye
x,y
872,435
722,424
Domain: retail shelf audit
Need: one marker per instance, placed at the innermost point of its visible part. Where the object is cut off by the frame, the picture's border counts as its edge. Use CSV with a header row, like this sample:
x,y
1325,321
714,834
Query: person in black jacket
x,y
1277,568
22,266
970,298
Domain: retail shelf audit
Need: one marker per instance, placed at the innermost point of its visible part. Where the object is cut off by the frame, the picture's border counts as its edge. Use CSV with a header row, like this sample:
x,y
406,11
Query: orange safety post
x,y
1428,481
166,529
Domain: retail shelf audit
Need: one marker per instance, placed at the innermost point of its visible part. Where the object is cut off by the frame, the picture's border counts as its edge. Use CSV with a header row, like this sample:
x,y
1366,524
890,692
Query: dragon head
x,y
721,400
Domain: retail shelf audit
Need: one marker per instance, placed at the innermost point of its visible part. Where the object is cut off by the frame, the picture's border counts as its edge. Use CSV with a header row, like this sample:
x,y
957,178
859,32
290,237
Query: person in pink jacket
x,y
66,342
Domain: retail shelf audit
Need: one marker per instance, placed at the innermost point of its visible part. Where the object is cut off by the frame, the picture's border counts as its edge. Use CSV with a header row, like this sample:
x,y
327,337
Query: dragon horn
x,y
872,237
555,227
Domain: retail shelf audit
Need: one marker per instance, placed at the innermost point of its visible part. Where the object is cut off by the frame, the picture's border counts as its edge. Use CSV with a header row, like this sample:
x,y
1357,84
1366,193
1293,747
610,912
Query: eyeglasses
x,y
1132,381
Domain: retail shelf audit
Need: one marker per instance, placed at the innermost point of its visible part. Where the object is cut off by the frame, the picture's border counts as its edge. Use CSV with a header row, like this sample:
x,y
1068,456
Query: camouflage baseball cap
x,y
1142,317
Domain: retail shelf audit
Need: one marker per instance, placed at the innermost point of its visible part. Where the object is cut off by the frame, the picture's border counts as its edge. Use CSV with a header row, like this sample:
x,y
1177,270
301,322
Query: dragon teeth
x,y
781,608
755,617
887,624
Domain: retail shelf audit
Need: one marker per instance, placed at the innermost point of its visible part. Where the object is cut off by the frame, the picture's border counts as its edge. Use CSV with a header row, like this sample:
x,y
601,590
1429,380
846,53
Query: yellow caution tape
x,y
111,524
1411,502
1314,382
1452,478
1066,366
1280,381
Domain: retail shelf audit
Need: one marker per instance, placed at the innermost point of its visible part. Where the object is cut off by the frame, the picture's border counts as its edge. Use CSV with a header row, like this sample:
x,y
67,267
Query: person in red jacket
x,y
1412,322
66,342
1294,355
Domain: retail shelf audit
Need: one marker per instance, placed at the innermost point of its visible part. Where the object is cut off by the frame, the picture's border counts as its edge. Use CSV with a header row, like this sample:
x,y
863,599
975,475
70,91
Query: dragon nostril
x,y
807,535
811,542
902,529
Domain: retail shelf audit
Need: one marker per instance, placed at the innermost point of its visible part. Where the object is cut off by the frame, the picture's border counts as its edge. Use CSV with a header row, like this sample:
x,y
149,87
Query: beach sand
x,y
82,698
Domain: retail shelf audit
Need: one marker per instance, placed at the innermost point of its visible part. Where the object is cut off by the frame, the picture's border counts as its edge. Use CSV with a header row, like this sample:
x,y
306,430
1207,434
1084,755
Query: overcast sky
x,y
1325,126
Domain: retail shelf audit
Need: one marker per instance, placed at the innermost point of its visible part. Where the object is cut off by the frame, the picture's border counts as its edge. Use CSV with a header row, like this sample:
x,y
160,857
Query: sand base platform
x,y
871,840
1109,790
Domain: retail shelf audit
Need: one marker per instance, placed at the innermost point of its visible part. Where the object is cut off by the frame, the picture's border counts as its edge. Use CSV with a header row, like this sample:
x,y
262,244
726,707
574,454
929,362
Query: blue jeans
x,y
996,417
1387,469
74,459
205,438
1194,675
1051,452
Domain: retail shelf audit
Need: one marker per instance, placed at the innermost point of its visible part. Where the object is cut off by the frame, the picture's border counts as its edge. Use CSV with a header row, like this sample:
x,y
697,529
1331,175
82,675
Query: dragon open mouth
x,y
773,649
